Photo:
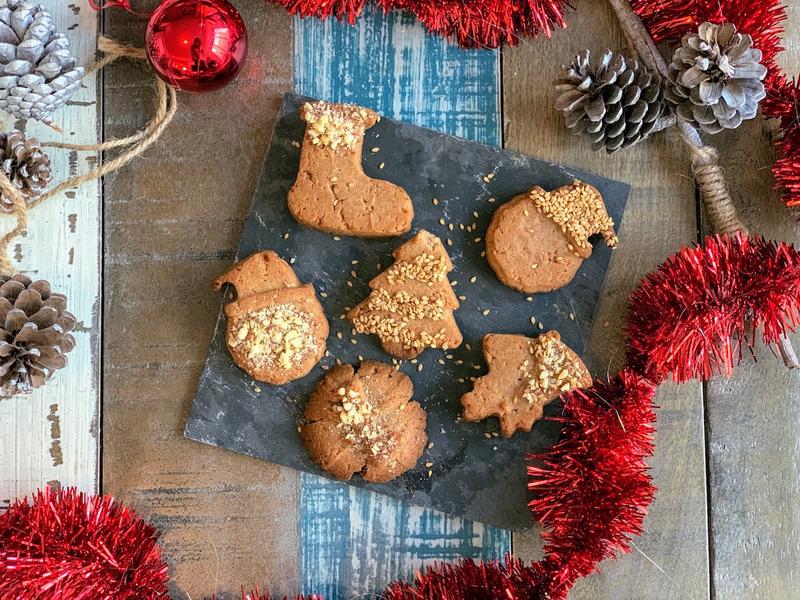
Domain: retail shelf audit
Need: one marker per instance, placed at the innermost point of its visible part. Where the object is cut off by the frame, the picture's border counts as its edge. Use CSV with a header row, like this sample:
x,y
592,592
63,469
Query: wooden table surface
x,y
726,518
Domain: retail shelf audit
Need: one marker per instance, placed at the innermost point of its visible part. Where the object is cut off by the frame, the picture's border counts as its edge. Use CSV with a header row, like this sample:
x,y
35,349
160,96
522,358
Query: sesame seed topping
x,y
579,211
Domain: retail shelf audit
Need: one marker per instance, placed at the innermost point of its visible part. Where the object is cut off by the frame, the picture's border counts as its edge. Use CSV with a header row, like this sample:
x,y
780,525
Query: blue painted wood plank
x,y
351,541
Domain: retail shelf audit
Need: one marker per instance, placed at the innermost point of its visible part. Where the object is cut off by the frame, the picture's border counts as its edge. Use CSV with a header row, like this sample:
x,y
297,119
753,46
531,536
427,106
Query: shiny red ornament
x,y
68,546
695,314
196,45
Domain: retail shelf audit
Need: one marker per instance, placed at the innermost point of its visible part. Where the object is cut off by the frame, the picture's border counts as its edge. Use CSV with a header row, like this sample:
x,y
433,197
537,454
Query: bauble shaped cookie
x,y
276,328
537,241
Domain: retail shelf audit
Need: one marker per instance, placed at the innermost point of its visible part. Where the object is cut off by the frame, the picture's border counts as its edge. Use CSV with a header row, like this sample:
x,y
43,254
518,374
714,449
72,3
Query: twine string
x,y
710,179
166,107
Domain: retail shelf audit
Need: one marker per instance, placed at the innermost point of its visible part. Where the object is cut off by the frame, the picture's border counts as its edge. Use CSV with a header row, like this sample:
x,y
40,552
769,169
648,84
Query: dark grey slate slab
x,y
476,476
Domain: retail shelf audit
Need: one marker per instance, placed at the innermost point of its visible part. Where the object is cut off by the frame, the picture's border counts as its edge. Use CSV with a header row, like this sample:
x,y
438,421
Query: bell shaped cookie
x,y
276,329
537,241
332,193
525,374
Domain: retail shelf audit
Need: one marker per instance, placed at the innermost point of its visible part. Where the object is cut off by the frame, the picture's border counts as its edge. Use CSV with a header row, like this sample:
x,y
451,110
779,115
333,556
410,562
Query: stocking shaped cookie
x,y
276,328
524,375
537,241
331,192
363,421
411,304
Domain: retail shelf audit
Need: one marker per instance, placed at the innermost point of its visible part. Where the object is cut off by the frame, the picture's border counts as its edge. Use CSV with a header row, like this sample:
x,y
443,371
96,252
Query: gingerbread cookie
x,y
332,193
524,375
537,241
411,304
363,421
276,328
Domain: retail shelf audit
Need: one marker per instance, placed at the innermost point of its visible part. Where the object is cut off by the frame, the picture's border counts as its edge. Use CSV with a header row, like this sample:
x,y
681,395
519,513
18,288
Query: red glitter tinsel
x,y
472,23
763,20
693,315
471,580
65,545
592,492
593,488
257,594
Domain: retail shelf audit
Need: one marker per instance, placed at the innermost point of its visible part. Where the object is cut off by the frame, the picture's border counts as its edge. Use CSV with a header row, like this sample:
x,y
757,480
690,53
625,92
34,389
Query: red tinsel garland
x,y
256,594
67,546
692,315
471,580
592,488
472,23
761,19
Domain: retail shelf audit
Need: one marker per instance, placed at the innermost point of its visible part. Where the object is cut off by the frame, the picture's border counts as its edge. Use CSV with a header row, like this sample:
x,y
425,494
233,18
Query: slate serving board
x,y
474,473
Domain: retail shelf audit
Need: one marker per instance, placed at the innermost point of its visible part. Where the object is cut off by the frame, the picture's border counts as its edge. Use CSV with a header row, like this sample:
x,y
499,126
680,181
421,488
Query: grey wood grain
x,y
754,418
173,219
671,558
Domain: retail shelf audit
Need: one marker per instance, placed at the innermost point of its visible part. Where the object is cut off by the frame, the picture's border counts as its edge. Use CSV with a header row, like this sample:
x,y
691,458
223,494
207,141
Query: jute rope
x,y
709,177
166,106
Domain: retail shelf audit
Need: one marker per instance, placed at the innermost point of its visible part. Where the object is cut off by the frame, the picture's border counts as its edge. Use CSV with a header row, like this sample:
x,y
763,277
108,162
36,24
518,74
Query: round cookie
x,y
363,421
276,329
537,241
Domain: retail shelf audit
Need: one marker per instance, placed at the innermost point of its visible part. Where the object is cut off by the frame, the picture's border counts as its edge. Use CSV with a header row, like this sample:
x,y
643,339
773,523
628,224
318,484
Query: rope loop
x,y
166,107
709,177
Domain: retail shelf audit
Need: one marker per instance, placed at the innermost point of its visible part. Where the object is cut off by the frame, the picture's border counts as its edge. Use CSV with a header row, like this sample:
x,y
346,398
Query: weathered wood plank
x,y
352,541
673,561
173,220
754,418
51,436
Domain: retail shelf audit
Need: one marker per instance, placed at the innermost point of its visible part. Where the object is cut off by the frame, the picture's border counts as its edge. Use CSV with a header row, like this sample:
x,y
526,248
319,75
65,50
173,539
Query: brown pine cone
x,y
25,164
613,100
34,335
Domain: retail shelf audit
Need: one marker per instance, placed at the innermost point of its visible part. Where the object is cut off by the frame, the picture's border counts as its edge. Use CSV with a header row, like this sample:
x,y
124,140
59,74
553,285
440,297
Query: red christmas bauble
x,y
196,45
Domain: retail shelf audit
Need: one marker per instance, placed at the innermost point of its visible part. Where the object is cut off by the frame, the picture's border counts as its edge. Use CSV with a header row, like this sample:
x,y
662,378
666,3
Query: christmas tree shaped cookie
x,y
332,192
411,304
524,375
276,330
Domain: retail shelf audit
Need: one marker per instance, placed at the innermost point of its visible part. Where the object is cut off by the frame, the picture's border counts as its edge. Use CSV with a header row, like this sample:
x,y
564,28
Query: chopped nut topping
x,y
549,371
579,210
334,126
359,420
274,336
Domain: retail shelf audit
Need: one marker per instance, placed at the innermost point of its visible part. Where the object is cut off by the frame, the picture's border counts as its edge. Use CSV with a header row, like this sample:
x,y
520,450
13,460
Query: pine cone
x,y
34,336
25,164
38,72
715,78
615,102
